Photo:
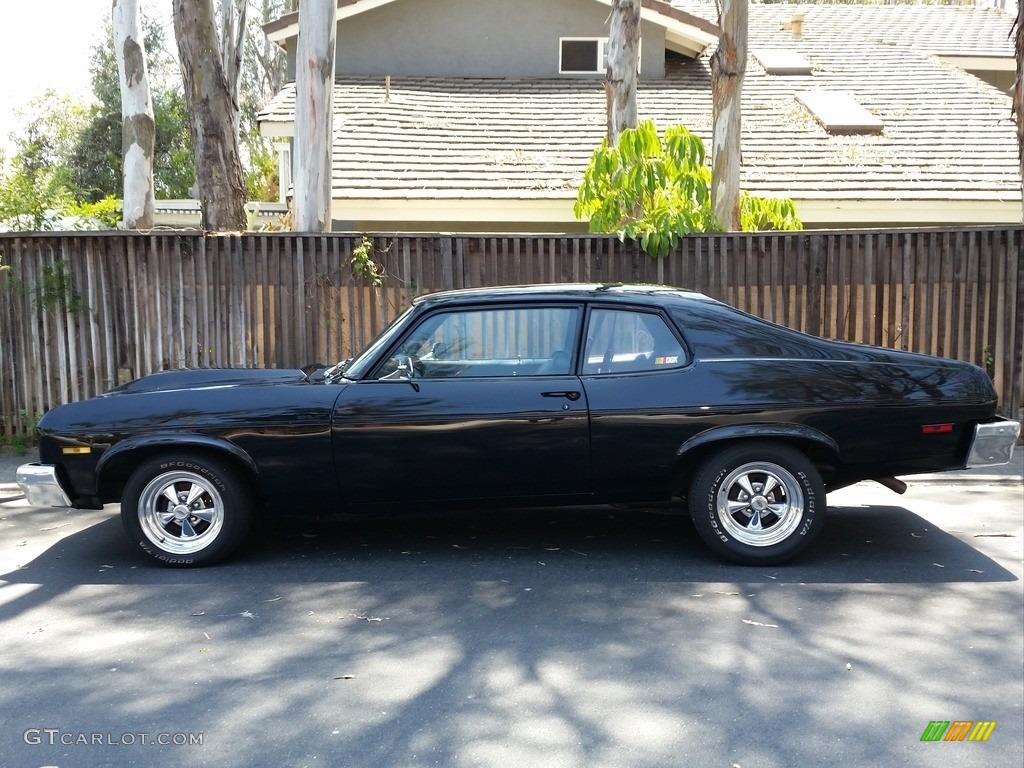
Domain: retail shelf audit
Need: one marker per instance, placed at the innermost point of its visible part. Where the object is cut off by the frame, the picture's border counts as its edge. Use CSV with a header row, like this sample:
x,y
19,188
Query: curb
x,y
1002,481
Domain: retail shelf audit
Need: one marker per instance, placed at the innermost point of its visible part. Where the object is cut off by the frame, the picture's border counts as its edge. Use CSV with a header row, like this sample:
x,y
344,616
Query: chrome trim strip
x,y
992,443
39,484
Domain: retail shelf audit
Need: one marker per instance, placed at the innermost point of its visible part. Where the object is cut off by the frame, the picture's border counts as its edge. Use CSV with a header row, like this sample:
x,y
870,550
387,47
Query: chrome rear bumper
x,y
41,487
993,443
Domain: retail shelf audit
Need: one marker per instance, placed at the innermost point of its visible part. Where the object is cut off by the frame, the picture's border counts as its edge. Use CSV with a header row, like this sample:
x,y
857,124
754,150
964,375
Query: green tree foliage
x,y
95,160
656,189
34,184
759,214
261,176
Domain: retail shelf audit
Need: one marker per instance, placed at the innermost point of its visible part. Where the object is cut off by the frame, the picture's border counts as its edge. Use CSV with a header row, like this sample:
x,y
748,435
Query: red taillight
x,y
936,429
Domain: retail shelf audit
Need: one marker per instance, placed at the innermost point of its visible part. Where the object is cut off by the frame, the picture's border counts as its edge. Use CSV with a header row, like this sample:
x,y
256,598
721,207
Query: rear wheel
x,y
757,503
186,511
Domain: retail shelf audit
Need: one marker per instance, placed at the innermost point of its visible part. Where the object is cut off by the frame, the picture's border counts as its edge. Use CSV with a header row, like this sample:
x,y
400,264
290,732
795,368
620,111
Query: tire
x,y
749,527
210,521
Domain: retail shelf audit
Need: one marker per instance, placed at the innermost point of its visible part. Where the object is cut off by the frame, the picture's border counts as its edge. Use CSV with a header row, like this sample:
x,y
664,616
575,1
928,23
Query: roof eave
x,y
701,31
815,212
287,26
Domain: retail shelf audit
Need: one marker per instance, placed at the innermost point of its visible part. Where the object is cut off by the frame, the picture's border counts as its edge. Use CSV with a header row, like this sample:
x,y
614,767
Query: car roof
x,y
652,294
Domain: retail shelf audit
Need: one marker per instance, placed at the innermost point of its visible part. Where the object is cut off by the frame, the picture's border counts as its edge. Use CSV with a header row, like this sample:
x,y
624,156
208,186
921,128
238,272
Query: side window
x,y
624,341
468,343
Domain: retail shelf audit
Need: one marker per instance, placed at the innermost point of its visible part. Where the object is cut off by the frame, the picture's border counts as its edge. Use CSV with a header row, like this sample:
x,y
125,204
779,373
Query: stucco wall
x,y
475,38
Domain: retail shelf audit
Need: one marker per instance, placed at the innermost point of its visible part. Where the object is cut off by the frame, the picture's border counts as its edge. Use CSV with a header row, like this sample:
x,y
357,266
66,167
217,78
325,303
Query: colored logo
x,y
959,730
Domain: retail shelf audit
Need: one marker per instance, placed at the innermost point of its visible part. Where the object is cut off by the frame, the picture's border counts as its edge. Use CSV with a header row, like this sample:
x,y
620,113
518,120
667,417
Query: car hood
x,y
208,378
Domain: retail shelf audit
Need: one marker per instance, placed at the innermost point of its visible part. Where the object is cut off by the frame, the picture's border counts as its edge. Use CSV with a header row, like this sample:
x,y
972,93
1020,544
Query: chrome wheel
x,y
760,504
180,512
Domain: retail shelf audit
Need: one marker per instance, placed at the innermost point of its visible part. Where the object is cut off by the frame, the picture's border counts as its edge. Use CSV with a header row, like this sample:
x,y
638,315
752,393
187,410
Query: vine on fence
x,y
363,264
55,289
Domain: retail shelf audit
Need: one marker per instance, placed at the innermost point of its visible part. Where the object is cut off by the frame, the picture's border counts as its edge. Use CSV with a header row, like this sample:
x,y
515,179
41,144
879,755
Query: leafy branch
x,y
656,189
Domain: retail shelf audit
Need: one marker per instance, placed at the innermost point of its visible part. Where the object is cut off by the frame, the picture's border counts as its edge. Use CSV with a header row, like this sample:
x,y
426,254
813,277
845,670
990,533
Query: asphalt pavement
x,y
562,638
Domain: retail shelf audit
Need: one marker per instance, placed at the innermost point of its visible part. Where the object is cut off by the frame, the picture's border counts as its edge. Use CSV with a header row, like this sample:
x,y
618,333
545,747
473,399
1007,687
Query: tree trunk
x,y
138,128
1018,95
232,47
728,65
219,177
314,108
623,65
270,60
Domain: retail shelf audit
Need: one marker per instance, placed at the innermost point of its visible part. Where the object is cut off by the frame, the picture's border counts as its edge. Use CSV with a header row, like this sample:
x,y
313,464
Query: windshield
x,y
361,363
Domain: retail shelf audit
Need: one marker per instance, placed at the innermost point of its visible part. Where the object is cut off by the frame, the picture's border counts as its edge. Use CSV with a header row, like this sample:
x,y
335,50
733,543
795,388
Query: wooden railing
x,y
80,313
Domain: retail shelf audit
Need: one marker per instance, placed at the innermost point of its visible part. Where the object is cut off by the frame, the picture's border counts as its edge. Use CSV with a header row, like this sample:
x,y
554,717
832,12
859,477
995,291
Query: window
x,y
625,341
582,54
474,343
577,55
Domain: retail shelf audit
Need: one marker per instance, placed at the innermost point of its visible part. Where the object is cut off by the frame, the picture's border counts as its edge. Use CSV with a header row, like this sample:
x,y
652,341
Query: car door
x,y
471,403
634,372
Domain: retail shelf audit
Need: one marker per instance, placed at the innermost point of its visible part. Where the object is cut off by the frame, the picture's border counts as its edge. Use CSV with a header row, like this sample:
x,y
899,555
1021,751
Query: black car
x,y
560,394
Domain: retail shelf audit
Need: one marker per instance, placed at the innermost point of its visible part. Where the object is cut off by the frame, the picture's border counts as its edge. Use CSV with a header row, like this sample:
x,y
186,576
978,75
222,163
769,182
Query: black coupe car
x,y
560,394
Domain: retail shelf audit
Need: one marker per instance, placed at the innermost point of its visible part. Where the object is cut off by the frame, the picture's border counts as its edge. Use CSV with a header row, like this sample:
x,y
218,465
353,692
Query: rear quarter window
x,y
630,341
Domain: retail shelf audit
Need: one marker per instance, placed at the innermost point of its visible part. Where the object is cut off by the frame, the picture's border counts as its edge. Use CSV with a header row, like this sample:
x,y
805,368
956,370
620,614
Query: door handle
x,y
568,395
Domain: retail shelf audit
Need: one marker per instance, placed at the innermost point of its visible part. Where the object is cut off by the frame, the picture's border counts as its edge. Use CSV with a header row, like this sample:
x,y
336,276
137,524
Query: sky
x,y
67,28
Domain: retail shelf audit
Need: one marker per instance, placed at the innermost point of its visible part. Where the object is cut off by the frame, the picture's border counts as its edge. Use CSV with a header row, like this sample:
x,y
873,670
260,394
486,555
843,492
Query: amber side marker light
x,y
72,449
936,429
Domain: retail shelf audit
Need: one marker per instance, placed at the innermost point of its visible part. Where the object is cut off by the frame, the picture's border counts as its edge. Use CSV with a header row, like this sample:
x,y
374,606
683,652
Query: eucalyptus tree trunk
x,y
623,64
232,47
314,109
270,60
728,66
1018,95
221,187
138,128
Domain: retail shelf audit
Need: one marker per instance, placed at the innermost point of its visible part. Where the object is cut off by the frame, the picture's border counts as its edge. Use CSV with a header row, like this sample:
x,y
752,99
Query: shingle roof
x,y
954,30
946,134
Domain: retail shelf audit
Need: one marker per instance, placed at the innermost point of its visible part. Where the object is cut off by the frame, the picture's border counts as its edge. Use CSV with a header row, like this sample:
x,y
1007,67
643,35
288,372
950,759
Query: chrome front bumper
x,y
993,443
39,484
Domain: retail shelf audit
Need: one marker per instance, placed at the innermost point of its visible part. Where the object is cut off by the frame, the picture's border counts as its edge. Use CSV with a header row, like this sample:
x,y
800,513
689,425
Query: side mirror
x,y
405,366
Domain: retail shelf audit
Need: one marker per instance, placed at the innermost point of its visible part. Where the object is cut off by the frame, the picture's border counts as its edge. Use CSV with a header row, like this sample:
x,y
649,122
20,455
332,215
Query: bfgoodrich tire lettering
x,y
757,503
185,511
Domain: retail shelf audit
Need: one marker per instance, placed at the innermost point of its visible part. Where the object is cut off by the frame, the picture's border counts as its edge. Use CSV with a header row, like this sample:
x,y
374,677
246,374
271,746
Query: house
x,y
481,115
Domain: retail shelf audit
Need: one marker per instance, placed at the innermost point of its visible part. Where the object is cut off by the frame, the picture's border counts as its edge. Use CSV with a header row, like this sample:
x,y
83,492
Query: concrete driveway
x,y
586,638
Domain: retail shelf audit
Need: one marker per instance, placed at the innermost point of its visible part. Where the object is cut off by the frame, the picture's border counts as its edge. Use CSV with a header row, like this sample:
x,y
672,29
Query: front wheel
x,y
757,503
186,511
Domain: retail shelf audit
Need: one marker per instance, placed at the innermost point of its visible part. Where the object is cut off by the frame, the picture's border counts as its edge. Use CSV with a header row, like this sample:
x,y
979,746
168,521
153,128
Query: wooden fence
x,y
80,313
